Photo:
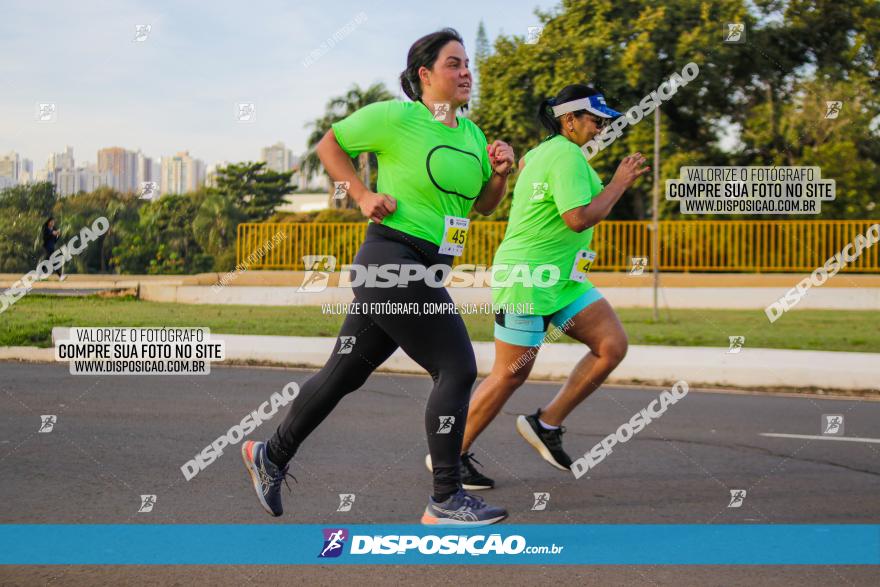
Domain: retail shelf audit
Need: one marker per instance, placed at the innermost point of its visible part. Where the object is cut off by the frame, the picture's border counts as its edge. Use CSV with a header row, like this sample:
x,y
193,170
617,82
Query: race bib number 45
x,y
583,261
455,231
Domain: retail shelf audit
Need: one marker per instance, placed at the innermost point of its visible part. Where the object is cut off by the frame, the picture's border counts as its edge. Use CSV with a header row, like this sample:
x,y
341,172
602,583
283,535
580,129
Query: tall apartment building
x,y
145,170
278,157
181,174
58,162
122,165
26,172
211,173
10,168
81,179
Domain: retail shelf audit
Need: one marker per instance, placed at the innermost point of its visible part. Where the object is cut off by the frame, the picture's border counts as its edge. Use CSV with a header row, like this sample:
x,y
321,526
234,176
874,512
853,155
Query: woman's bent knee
x,y
511,377
468,373
615,350
462,374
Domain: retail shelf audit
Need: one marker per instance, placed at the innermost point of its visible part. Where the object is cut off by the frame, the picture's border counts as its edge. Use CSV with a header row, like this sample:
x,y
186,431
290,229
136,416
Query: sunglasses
x,y
600,122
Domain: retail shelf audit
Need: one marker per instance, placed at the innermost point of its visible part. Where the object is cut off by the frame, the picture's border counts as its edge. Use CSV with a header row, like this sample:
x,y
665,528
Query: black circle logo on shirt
x,y
455,171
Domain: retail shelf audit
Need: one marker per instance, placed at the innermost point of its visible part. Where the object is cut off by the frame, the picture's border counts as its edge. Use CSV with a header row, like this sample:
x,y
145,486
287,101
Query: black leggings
x,y
438,342
48,253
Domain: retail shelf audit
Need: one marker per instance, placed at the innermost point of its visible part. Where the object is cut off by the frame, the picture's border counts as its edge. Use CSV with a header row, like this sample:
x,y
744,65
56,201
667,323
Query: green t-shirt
x,y
432,170
555,179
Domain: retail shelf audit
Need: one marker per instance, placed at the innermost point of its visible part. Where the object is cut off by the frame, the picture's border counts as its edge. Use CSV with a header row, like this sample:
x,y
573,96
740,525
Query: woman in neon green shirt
x,y
434,167
557,201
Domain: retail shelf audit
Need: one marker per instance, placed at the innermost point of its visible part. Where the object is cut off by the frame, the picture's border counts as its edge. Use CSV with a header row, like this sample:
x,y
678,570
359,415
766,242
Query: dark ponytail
x,y
546,118
424,53
567,94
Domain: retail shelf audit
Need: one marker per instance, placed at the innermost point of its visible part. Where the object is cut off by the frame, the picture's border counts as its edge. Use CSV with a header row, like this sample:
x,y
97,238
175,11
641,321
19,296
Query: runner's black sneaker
x,y
265,476
471,478
462,509
548,443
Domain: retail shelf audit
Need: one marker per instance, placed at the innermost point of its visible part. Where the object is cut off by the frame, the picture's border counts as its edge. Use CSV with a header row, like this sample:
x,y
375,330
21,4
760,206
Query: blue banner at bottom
x,y
269,544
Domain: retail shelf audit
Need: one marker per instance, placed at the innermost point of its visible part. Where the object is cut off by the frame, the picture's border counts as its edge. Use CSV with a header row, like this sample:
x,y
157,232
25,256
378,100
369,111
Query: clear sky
x,y
177,90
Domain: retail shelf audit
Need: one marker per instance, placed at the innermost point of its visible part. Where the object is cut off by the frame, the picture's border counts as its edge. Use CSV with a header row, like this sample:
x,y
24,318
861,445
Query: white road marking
x,y
812,437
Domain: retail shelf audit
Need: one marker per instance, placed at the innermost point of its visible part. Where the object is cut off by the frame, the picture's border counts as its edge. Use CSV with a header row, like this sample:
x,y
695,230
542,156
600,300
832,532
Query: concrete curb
x,y
748,298
678,290
27,353
655,365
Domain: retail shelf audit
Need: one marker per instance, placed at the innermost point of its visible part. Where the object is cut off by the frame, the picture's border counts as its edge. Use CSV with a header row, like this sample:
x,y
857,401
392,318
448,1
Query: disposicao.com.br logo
x,y
475,545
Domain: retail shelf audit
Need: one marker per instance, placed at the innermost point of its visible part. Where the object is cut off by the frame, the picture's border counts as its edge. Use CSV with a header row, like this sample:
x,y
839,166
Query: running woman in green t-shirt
x,y
434,167
557,201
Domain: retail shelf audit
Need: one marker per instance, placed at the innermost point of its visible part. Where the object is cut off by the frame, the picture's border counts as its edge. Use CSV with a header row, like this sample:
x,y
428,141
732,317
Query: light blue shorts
x,y
529,329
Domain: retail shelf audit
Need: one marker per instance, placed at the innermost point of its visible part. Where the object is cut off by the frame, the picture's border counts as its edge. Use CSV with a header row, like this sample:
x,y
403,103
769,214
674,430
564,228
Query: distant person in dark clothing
x,y
50,237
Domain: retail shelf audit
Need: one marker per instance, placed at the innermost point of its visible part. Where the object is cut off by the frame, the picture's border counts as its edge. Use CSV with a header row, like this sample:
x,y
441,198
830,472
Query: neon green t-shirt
x,y
556,178
432,170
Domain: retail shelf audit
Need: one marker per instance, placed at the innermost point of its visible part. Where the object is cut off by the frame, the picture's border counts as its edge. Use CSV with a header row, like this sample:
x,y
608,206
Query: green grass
x,y
29,323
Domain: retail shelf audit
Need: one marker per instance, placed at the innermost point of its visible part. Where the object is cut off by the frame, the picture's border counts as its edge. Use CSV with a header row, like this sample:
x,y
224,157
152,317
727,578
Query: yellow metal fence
x,y
685,245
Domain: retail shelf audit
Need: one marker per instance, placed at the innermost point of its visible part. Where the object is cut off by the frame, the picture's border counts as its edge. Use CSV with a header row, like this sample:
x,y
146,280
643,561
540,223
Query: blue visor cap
x,y
600,108
593,104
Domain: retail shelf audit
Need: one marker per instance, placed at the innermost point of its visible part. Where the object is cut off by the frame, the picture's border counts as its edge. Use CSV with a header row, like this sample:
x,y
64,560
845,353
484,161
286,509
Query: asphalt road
x,y
118,437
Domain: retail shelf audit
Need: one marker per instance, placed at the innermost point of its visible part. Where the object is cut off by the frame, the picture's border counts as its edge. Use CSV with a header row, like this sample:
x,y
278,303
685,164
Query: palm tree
x,y
214,225
337,109
122,212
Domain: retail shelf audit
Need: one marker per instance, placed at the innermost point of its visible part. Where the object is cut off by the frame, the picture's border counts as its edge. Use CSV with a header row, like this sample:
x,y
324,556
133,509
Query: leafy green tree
x,y
625,49
162,240
244,192
23,210
168,221
757,89
839,38
845,148
166,262
81,210
186,233
252,188
215,227
132,255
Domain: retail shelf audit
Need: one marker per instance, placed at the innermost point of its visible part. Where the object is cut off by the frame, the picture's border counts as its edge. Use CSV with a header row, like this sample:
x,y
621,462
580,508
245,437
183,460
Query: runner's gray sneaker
x,y
462,509
265,476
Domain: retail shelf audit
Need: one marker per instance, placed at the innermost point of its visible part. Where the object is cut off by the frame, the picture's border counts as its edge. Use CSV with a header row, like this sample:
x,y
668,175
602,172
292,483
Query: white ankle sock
x,y
547,426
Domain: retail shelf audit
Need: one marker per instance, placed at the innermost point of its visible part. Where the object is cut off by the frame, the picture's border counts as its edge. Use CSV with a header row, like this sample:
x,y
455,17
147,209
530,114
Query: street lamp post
x,y
655,214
